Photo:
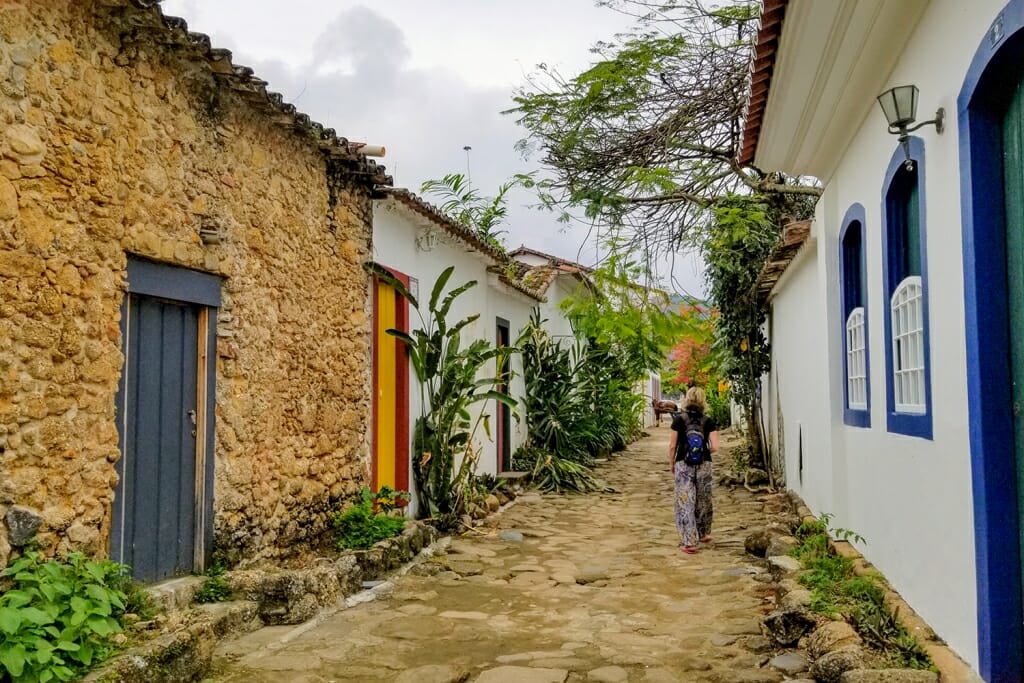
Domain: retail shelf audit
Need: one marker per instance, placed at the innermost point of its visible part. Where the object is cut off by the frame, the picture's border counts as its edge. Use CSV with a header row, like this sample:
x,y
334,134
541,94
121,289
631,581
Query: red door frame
x,y
401,388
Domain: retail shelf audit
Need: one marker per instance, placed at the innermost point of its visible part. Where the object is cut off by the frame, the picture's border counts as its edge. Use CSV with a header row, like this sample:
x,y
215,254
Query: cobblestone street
x,y
560,588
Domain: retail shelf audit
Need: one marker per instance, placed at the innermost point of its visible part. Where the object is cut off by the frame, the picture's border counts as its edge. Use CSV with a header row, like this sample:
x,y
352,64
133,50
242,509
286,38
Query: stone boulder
x,y
830,636
830,667
22,525
789,663
754,477
782,566
781,545
787,627
757,542
796,600
888,676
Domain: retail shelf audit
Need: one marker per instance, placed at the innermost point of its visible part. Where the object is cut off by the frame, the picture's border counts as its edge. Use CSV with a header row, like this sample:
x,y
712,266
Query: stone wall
x,y
115,143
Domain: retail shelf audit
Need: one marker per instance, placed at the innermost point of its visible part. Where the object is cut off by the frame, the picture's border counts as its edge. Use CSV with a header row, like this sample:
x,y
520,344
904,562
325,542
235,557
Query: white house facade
x,y
416,243
898,326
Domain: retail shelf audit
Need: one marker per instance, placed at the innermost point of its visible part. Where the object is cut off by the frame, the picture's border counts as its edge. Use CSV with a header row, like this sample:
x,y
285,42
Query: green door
x,y
1013,173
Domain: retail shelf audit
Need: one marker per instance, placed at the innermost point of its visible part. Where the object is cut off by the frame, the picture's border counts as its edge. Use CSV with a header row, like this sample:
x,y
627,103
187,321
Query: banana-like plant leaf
x,y
385,275
439,284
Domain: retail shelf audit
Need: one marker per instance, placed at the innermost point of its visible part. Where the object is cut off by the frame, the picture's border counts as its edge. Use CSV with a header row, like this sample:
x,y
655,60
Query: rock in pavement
x,y
888,676
757,542
799,599
522,674
834,664
609,674
786,627
432,673
831,636
780,545
789,663
783,565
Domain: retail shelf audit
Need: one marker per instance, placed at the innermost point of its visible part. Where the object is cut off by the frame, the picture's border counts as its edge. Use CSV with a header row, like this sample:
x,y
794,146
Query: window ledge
x,y
856,417
910,424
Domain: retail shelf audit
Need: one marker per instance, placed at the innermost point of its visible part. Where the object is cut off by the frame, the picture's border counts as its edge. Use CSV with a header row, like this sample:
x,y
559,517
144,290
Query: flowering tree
x,y
692,361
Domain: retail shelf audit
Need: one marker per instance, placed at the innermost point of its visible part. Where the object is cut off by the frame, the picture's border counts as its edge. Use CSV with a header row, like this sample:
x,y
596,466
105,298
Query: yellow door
x,y
385,385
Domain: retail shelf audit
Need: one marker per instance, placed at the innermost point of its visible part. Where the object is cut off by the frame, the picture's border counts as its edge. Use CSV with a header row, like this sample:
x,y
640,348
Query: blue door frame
x,y
993,460
177,540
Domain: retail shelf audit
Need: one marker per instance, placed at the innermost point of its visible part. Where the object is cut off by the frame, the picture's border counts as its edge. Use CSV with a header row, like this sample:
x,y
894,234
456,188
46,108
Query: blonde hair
x,y
696,398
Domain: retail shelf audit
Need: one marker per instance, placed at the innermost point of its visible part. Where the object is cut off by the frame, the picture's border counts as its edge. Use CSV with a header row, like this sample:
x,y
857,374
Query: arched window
x,y
856,409
908,390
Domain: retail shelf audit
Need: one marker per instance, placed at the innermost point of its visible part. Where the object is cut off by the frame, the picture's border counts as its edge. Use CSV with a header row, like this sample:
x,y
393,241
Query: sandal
x,y
688,549
706,539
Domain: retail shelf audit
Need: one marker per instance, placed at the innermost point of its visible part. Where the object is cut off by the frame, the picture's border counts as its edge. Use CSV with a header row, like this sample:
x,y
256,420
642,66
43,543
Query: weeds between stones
x,y
836,590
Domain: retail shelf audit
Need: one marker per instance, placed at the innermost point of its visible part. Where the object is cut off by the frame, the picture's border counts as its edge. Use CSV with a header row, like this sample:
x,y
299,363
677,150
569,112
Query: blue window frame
x,y
905,275
856,355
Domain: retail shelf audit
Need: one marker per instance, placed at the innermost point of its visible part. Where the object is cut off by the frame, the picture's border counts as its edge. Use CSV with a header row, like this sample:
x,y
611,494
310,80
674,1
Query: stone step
x,y
175,594
185,653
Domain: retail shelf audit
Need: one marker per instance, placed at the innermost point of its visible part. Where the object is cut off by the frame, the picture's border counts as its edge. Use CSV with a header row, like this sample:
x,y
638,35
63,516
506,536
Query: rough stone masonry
x,y
121,134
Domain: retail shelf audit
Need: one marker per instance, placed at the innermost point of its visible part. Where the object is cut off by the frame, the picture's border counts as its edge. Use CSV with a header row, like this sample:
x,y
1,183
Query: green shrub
x,y
836,590
58,617
216,587
551,473
359,527
718,406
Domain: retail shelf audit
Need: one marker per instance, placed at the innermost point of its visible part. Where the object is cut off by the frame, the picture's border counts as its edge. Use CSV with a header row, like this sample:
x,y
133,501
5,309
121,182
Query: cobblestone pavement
x,y
559,588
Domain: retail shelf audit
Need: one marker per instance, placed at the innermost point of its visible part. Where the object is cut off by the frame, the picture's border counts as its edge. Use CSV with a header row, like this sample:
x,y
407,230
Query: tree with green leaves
x,y
645,143
646,140
467,206
451,387
740,239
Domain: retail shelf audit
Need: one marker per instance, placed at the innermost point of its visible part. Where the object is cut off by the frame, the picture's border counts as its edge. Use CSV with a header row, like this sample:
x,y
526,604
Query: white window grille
x,y
856,361
908,346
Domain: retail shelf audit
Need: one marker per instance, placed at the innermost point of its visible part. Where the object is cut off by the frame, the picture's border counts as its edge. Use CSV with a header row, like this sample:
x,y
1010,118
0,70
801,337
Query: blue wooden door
x,y
154,523
1013,178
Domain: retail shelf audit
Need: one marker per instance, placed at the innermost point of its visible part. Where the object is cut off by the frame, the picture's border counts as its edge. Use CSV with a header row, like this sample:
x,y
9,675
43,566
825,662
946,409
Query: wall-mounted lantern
x,y
900,107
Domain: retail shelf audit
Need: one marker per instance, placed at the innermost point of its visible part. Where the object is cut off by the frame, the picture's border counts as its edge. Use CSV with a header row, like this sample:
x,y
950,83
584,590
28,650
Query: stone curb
x,y
309,596
952,669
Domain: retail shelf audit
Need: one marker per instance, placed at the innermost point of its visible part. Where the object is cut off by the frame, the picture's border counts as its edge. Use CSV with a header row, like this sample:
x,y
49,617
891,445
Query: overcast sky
x,y
424,78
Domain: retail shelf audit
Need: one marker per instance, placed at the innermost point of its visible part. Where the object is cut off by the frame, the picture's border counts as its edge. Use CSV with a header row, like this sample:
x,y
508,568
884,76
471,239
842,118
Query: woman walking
x,y
693,431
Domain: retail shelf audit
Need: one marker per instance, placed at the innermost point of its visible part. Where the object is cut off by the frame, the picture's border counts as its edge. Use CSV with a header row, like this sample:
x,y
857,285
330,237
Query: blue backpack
x,y
693,445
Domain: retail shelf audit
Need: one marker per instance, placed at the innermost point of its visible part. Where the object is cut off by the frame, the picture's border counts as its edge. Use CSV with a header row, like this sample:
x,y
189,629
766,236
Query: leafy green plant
x,y
837,590
444,437
388,499
358,527
216,587
718,405
137,600
740,236
59,617
484,215
549,472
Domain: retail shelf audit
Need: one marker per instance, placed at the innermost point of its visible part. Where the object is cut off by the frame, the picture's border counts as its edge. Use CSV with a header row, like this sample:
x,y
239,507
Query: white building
x,y
898,325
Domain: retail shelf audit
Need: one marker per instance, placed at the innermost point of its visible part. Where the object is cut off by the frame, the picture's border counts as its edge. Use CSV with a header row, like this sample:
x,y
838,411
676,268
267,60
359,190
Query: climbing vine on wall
x,y
739,238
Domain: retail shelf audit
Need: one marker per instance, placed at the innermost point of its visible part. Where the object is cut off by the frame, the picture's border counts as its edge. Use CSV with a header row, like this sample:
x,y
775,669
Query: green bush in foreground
x,y
58,618
837,590
359,527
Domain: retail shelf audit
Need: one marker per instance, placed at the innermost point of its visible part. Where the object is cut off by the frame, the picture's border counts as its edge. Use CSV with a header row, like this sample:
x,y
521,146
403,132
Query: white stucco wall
x,y
911,498
394,246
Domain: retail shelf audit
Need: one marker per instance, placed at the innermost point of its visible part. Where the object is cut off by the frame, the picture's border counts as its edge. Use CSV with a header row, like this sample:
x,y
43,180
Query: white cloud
x,y
424,78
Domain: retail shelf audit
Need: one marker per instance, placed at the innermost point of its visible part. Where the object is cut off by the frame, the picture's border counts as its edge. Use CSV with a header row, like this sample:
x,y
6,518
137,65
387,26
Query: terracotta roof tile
x,y
150,21
766,47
